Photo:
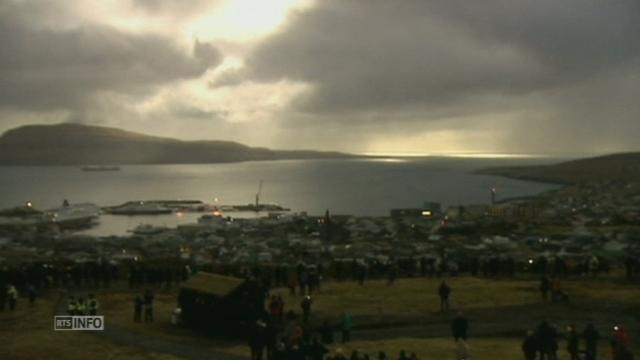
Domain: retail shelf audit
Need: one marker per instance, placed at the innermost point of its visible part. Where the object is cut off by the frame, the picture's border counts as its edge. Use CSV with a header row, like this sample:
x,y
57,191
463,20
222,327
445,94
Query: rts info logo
x,y
78,323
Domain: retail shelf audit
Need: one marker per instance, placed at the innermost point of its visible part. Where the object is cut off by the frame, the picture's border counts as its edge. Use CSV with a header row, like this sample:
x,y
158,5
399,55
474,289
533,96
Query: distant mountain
x,y
75,144
615,167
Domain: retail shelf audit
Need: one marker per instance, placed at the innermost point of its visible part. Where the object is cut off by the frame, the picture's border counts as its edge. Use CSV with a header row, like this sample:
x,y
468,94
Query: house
x,y
220,305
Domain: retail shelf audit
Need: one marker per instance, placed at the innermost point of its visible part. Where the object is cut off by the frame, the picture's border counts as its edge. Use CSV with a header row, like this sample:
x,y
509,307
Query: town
x,y
571,225
575,233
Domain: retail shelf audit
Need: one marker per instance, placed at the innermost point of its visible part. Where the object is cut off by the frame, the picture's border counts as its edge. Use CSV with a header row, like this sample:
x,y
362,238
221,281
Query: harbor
x,y
549,227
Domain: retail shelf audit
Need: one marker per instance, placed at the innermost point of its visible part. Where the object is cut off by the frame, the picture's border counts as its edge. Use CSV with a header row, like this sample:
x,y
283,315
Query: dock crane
x,y
258,196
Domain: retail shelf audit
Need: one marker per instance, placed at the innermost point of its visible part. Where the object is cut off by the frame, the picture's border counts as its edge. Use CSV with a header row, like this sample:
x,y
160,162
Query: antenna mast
x,y
258,195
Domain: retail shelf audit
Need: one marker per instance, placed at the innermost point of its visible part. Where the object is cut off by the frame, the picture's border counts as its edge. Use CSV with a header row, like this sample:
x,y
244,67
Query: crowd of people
x,y
300,277
543,343
299,345
300,341
143,304
280,335
78,306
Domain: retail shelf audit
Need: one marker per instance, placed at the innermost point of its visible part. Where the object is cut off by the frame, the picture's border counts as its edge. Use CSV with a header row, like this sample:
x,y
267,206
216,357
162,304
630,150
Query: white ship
x,y
73,214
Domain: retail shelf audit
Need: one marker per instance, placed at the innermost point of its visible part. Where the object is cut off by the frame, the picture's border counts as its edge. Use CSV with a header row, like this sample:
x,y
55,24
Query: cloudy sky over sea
x,y
373,76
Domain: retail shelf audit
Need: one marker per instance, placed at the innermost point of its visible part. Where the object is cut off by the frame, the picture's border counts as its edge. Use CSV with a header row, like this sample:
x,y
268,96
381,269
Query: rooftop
x,y
215,284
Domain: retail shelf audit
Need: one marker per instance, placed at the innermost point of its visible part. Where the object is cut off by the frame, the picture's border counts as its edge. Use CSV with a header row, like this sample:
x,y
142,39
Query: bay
x,y
363,187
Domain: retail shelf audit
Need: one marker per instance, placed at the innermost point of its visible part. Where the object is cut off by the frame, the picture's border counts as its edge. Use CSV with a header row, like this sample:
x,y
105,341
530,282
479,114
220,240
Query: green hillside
x,y
75,144
623,167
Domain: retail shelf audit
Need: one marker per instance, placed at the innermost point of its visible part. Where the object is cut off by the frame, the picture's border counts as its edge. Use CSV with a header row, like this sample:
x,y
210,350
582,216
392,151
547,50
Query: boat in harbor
x,y
66,216
259,208
101,168
138,208
73,215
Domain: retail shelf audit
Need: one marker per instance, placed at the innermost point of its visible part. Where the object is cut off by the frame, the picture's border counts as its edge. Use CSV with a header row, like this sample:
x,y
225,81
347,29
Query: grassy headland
x,y
623,167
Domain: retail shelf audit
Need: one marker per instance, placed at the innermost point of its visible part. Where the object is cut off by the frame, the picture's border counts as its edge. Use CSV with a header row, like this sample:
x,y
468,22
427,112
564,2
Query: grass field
x,y
27,333
404,316
416,301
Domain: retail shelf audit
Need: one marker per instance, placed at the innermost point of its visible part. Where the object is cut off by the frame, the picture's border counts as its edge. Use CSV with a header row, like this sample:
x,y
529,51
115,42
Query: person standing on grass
x,y
554,342
31,290
355,355
591,337
71,305
276,308
257,339
545,286
444,291
303,281
271,339
12,296
403,355
292,282
81,307
556,290
459,327
273,307
347,324
3,296
93,305
545,336
148,306
530,346
280,302
573,343
138,304
306,308
620,344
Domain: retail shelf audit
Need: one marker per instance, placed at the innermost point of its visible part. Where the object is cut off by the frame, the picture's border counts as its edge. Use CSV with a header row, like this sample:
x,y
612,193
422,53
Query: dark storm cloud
x,y
367,55
48,68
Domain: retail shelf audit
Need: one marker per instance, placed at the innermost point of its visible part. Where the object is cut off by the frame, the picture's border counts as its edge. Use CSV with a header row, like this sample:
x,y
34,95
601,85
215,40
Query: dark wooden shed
x,y
220,305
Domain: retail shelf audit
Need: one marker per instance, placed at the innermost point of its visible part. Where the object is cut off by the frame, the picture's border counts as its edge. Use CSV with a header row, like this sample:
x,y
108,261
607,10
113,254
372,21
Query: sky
x,y
362,76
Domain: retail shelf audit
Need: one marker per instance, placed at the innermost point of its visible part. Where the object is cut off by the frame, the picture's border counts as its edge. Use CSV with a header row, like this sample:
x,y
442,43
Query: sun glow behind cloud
x,y
229,20
231,25
244,20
